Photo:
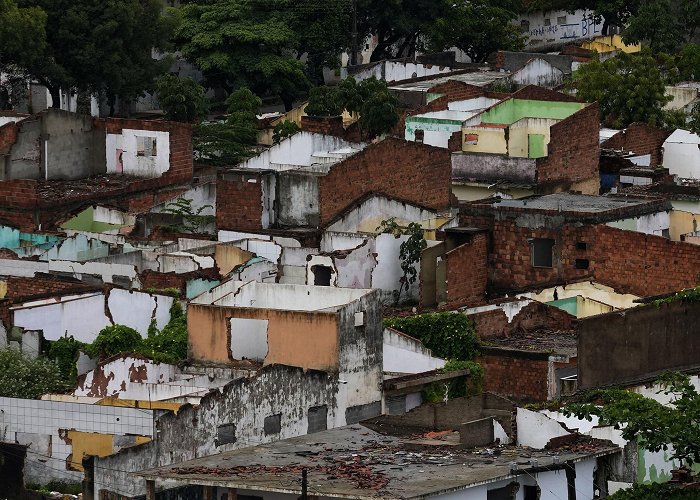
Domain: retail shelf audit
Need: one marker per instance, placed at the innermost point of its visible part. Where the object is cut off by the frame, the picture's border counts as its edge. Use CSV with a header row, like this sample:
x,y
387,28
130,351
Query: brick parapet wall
x,y
160,281
534,316
543,94
467,273
409,171
573,150
8,136
520,378
239,202
640,139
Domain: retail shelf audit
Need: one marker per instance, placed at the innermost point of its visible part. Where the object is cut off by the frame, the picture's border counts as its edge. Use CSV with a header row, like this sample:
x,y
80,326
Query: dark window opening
x,y
581,263
273,424
318,419
542,252
581,245
322,275
419,135
226,434
532,493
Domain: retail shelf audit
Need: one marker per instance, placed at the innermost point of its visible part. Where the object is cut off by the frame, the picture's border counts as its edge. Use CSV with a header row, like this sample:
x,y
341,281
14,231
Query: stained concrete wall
x,y
44,426
404,354
297,199
488,167
83,316
637,344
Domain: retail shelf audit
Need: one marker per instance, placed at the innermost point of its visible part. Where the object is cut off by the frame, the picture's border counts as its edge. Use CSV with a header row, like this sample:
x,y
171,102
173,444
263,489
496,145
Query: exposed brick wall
x,y
160,281
641,139
573,150
21,193
532,317
455,90
409,171
467,273
239,202
329,125
629,261
8,136
521,378
542,94
181,164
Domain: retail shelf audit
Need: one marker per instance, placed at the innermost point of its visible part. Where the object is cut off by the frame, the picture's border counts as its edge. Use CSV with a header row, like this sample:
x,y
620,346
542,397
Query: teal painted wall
x,y
568,305
13,238
198,286
513,110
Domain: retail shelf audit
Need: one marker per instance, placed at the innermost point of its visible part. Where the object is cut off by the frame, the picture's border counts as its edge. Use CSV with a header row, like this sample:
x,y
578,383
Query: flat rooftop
x,y
357,462
549,341
574,203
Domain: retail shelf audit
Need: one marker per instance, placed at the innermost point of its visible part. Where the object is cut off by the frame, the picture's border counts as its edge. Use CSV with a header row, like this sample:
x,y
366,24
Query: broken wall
x,y
83,316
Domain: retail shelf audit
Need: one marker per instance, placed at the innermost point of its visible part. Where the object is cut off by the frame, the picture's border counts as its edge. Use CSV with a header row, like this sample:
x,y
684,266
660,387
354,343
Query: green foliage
x,y
283,130
409,251
173,292
182,99
448,335
479,28
192,220
170,344
22,377
113,340
231,141
655,491
379,109
457,387
324,101
656,426
244,43
628,87
22,34
689,62
689,295
100,46
65,352
655,23
60,486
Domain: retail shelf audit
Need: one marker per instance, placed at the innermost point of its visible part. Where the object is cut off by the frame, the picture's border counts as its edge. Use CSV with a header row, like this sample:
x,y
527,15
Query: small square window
x,y
581,245
547,22
561,20
581,264
226,434
541,249
146,146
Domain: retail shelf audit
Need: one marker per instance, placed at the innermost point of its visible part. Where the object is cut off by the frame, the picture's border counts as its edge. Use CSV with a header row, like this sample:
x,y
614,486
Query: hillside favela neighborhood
x,y
349,249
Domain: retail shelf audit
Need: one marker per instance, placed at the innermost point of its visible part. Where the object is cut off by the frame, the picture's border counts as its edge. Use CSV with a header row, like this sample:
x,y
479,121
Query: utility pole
x,y
353,55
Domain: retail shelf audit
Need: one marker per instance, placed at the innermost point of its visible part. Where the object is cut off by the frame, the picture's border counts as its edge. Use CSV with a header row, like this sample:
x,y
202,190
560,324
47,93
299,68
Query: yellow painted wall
x,y
596,291
145,405
90,443
371,224
227,257
682,223
588,307
472,192
603,44
3,289
519,131
491,140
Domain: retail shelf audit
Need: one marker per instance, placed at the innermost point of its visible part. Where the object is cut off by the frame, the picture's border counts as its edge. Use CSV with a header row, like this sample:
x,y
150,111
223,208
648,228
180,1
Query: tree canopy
x,y
101,46
629,88
182,99
671,427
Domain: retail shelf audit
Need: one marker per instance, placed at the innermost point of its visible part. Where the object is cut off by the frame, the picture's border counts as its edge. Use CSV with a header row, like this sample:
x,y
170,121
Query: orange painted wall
x,y
296,338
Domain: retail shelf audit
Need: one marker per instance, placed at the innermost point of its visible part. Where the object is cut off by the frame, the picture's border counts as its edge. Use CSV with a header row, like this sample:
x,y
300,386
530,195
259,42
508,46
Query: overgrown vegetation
x,y
24,377
284,129
466,385
689,295
672,427
65,352
370,98
448,335
409,252
192,220
60,486
182,99
655,491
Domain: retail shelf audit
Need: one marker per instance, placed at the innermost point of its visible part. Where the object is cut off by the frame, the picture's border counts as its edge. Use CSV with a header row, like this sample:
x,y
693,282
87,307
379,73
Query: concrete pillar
x,y
150,489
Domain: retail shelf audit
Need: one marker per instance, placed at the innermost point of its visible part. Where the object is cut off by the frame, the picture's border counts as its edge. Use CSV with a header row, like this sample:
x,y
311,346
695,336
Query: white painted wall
x,y
538,72
248,338
682,154
140,166
83,316
387,273
655,223
535,429
368,216
559,26
36,423
106,271
404,354
331,241
297,150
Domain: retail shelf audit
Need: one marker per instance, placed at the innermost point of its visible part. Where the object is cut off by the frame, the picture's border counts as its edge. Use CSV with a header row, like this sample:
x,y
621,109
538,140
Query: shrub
x,y
65,352
448,335
654,491
23,377
457,387
115,339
